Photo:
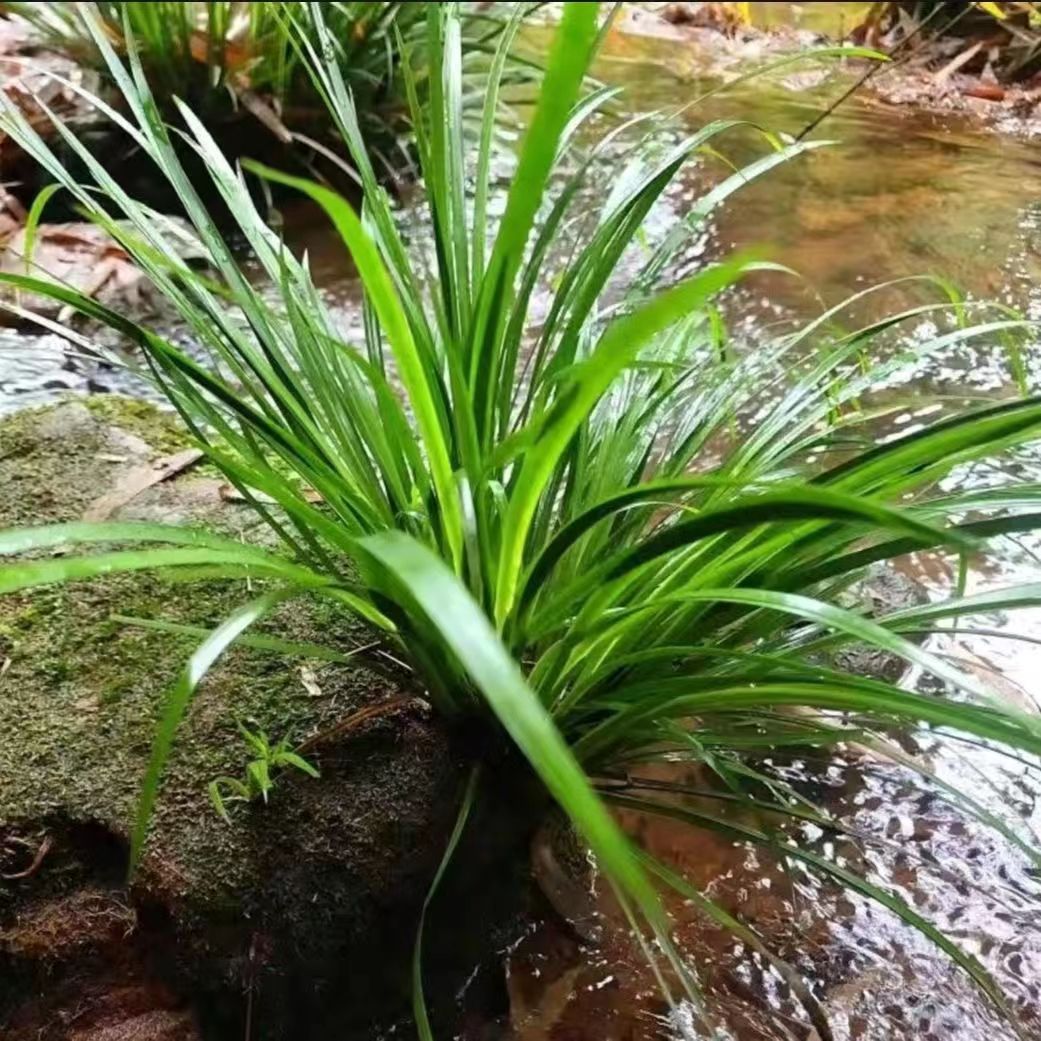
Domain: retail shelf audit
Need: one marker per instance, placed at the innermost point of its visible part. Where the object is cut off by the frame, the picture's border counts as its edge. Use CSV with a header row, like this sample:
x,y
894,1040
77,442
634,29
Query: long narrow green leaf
x,y
48,536
565,70
273,644
785,505
200,663
34,573
32,222
451,613
617,347
419,1005
387,305
669,701
845,621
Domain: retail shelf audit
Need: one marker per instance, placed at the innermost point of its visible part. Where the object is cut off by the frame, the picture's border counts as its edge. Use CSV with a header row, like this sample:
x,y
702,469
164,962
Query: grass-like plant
x,y
227,58
261,770
585,529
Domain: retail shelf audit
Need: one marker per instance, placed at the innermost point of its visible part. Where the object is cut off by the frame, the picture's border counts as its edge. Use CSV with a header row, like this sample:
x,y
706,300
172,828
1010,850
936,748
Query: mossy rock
x,y
296,894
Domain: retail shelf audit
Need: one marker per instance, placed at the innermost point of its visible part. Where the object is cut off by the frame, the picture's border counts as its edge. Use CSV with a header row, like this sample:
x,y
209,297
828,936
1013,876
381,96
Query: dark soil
x,y
77,961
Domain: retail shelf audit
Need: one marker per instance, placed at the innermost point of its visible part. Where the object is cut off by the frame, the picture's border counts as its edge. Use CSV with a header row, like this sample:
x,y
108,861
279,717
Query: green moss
x,y
55,461
163,430
82,692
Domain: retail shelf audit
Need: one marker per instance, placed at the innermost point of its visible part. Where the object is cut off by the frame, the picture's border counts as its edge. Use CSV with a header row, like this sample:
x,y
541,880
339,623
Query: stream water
x,y
899,194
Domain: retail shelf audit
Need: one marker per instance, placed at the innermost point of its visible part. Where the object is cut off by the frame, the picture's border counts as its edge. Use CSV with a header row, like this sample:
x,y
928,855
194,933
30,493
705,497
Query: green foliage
x,y
261,771
547,514
225,58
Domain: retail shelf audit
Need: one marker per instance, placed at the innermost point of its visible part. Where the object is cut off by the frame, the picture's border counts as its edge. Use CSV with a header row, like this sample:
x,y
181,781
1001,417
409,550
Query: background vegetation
x,y
240,67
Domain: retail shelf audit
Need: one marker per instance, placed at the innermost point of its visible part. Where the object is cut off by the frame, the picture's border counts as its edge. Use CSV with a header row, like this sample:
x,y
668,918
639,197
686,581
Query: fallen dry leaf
x,y
138,480
80,256
83,257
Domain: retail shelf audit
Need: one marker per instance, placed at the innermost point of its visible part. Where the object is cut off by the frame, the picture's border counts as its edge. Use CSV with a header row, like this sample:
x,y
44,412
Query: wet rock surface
x,y
300,915
883,591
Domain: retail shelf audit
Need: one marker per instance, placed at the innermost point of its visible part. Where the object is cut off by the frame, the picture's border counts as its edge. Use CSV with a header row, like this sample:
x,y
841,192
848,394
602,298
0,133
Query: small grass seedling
x,y
260,773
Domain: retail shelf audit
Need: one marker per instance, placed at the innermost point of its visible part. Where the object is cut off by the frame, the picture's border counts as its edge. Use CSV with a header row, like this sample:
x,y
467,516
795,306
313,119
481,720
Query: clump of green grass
x,y
554,524
228,59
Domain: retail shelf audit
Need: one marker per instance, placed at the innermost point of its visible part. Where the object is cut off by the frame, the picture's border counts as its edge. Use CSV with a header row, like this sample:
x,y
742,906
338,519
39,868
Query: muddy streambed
x,y
901,193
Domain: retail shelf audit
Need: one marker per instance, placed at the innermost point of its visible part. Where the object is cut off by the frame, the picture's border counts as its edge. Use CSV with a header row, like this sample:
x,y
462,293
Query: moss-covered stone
x,y
162,429
55,461
81,694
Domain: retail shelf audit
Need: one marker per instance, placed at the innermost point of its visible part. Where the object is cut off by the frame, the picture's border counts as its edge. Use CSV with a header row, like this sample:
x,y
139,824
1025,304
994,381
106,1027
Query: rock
x,y
308,903
562,870
881,592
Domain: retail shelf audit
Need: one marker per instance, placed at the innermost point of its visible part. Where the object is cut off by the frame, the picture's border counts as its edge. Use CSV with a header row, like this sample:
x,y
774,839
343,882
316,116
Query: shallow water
x,y
900,194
